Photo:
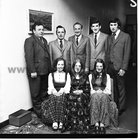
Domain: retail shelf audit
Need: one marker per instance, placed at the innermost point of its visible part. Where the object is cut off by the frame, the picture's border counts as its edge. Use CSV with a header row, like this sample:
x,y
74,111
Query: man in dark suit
x,y
38,65
97,43
80,46
60,47
117,59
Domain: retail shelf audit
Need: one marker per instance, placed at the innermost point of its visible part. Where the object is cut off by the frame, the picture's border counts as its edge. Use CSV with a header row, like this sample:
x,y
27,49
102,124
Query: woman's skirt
x,y
103,109
53,109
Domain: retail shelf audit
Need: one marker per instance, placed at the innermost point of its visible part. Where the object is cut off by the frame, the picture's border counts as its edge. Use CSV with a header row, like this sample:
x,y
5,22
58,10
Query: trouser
x,y
119,87
38,89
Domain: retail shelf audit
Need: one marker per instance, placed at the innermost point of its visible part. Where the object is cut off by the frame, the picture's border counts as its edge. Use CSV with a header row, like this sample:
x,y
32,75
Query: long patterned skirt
x,y
53,109
103,109
77,113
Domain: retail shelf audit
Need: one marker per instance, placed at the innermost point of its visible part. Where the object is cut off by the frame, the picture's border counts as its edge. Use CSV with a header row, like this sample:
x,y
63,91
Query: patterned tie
x,y
77,42
61,44
113,37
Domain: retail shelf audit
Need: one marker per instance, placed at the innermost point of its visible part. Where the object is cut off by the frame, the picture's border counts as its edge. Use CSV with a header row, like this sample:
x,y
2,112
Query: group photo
x,y
71,69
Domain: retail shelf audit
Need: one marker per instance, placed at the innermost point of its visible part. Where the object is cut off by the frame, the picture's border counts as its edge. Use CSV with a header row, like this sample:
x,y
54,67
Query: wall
x,y
14,27
14,90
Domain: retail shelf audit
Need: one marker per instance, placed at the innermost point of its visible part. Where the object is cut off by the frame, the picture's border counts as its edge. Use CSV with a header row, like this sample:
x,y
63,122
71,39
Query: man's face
x,y
60,33
77,30
39,30
95,27
113,27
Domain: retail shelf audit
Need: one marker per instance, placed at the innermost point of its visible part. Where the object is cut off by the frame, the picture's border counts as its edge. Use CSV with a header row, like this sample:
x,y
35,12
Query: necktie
x,y
77,42
41,39
113,37
61,44
95,39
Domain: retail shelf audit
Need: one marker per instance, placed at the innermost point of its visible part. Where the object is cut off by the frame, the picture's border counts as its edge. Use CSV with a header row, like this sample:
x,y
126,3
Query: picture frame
x,y
46,18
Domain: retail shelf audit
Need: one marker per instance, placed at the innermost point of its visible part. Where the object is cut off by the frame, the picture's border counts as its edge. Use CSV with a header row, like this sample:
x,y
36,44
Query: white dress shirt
x,y
60,78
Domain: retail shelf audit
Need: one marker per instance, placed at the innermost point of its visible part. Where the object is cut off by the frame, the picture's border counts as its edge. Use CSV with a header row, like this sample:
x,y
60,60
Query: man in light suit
x,y
80,46
38,65
60,47
97,43
117,59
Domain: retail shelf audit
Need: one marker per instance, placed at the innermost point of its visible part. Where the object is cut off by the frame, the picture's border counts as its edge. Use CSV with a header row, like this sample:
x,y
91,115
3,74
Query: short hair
x,y
59,26
73,66
77,23
95,20
115,20
37,23
56,61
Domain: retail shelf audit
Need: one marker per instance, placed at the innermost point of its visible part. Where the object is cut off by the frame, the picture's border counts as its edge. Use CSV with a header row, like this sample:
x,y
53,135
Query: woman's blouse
x,y
59,78
106,90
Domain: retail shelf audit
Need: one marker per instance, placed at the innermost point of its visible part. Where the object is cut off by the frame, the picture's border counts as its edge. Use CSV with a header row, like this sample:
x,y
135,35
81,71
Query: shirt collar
x,y
117,33
60,40
79,37
98,34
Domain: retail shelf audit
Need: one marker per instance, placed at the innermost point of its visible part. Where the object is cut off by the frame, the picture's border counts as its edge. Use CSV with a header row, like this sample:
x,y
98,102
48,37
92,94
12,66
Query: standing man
x,y
80,47
38,65
97,43
60,47
117,58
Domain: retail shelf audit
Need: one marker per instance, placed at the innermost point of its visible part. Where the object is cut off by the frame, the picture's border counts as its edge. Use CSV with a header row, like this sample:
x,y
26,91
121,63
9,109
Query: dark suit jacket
x,y
121,51
56,51
37,56
82,51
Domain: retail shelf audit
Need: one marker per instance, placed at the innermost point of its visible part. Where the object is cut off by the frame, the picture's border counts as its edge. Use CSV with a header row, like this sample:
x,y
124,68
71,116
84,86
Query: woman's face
x,y
77,67
99,67
60,66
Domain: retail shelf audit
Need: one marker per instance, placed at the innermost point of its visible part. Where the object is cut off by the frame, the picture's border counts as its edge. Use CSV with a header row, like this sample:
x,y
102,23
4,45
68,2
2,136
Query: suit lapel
x,y
74,41
118,38
43,45
65,45
81,40
99,39
58,45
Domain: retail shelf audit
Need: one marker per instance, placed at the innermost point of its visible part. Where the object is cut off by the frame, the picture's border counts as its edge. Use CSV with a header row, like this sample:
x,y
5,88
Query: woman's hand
x,y
61,91
99,91
54,92
78,92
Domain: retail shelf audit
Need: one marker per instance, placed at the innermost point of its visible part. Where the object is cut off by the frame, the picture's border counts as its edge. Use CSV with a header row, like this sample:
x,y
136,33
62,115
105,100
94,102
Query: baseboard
x,y
6,122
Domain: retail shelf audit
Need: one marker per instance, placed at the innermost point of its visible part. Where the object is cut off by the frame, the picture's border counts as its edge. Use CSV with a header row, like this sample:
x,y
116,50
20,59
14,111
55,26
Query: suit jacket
x,y
118,51
37,55
98,50
82,51
56,51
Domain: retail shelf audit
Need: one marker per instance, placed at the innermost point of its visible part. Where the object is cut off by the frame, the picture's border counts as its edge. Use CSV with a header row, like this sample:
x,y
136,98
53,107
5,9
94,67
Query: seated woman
x,y
77,110
58,86
103,112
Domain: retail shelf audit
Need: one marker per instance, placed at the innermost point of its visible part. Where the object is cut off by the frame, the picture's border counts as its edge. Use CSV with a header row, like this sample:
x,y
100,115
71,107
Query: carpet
x,y
35,126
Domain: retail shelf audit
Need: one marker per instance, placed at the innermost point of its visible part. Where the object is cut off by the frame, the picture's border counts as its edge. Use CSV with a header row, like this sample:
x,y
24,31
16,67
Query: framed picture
x,y
45,17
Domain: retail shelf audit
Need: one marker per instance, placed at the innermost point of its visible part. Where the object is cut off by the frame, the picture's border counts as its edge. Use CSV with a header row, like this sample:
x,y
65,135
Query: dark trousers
x,y
119,87
38,88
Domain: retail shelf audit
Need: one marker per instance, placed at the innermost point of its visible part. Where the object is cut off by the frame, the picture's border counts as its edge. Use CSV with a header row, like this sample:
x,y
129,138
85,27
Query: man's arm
x,y
29,55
